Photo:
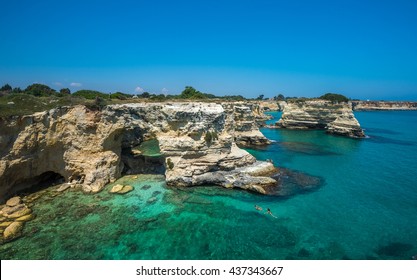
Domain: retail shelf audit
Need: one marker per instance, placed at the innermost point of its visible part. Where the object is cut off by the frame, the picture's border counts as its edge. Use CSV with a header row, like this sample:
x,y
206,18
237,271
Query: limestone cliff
x,y
245,119
272,105
84,147
383,105
320,114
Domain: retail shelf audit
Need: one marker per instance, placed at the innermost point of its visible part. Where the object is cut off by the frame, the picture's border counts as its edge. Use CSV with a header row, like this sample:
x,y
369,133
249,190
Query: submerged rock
x,y
145,187
394,249
152,200
290,182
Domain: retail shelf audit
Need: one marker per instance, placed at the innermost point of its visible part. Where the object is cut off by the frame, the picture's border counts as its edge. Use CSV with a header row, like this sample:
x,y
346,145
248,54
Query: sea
x,y
344,199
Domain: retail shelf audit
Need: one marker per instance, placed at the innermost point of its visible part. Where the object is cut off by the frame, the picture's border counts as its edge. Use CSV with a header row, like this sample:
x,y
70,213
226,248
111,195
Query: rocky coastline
x,y
85,147
334,118
383,105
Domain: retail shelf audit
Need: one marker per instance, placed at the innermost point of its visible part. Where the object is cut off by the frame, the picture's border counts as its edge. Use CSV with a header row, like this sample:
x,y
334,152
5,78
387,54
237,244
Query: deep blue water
x,y
365,207
368,204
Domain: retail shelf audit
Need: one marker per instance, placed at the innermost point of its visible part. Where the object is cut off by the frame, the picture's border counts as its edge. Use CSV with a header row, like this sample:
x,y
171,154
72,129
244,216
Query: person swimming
x,y
268,211
258,208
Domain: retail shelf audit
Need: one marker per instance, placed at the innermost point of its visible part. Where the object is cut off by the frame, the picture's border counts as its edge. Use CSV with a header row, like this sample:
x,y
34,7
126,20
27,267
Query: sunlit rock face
x,y
82,146
245,119
383,105
335,118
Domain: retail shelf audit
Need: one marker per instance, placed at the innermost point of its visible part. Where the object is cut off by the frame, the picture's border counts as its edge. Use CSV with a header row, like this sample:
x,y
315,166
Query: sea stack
x,y
334,117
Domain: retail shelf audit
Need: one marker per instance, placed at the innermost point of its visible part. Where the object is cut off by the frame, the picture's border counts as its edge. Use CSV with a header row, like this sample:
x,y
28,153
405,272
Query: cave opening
x,y
37,183
145,158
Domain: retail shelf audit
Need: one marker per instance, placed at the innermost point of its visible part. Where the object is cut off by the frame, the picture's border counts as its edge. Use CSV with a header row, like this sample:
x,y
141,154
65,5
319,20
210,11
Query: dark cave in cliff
x,y
37,183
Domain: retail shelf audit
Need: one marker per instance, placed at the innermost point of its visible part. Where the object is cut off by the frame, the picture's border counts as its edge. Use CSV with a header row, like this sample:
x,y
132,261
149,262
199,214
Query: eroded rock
x,y
126,189
13,231
116,188
63,187
335,118
120,189
19,213
82,146
13,201
26,218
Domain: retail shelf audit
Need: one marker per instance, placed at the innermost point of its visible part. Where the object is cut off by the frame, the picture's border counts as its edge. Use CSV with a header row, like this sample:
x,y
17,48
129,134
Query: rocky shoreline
x,y
85,147
334,118
383,105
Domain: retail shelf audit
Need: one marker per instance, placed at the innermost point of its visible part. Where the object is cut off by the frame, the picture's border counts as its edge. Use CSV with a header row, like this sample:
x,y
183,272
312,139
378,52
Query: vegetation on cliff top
x,y
38,97
334,97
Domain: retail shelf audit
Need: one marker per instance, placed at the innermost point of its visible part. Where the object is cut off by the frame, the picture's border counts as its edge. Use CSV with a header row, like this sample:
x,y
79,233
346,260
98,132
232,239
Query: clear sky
x,y
363,49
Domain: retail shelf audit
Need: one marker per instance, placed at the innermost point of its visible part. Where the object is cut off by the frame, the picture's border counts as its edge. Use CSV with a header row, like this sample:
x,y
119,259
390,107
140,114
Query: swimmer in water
x,y
268,211
258,208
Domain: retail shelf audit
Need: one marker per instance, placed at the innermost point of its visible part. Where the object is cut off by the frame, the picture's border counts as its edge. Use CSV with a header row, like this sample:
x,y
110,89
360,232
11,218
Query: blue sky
x,y
363,49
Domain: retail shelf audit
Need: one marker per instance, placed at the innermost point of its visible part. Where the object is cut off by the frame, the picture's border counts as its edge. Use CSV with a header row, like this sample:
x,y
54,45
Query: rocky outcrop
x,y
13,216
383,105
84,147
319,114
121,189
245,119
272,105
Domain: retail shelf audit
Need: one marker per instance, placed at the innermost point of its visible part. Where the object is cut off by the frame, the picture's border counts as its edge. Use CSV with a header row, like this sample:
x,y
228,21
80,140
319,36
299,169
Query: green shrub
x,y
6,87
120,96
334,97
90,94
170,164
210,137
40,90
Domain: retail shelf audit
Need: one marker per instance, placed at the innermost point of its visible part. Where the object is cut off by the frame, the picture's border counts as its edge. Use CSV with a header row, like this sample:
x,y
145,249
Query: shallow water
x,y
366,207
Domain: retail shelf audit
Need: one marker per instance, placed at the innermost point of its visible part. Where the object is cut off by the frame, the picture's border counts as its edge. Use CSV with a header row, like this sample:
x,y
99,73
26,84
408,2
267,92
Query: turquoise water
x,y
365,207
149,148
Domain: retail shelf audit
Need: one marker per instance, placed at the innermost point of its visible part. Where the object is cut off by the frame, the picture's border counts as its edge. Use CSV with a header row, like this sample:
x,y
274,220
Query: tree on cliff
x,y
40,90
260,97
17,90
144,95
280,97
90,94
6,88
192,93
65,91
334,97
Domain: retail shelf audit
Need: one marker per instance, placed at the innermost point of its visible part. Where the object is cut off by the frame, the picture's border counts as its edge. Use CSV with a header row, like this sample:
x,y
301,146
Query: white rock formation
x,y
84,146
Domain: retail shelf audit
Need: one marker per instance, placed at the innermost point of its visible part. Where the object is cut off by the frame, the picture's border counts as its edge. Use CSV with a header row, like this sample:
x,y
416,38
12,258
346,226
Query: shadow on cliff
x,y
38,183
